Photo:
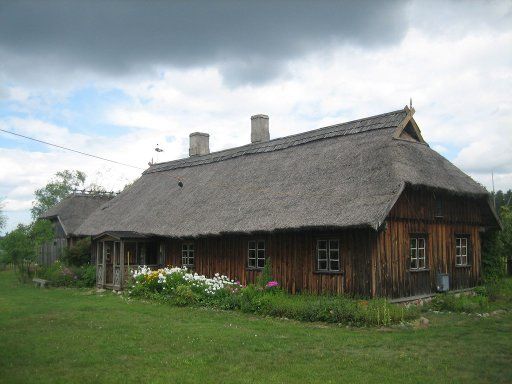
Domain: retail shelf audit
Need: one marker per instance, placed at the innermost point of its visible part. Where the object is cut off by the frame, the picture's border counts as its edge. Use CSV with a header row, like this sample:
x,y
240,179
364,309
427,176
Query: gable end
x,y
408,129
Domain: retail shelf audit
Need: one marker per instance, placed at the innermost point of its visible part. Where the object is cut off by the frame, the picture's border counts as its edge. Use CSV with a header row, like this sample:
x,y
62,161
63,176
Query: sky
x,y
117,78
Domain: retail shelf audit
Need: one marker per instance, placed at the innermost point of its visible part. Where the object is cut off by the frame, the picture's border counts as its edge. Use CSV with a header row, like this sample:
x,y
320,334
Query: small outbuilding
x,y
66,217
364,208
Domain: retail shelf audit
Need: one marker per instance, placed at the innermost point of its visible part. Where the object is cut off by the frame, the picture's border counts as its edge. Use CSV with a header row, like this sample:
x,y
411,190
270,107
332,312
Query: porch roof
x,y
121,235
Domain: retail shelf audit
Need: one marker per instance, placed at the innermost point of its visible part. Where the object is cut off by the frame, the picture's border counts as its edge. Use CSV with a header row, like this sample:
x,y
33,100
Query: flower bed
x,y
182,287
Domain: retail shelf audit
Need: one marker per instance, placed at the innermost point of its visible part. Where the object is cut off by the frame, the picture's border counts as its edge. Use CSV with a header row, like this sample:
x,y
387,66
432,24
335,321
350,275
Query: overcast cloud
x,y
115,78
249,41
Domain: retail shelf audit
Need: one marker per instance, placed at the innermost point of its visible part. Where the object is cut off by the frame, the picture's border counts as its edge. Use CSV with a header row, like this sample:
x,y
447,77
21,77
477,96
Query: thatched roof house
x,y
73,210
341,177
66,216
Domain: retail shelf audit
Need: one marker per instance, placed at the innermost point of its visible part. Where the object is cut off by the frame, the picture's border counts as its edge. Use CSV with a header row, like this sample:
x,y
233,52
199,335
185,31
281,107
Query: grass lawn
x,y
71,335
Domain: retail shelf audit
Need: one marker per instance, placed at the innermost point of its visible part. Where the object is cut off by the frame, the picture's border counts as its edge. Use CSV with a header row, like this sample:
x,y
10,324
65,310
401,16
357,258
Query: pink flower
x,y
272,284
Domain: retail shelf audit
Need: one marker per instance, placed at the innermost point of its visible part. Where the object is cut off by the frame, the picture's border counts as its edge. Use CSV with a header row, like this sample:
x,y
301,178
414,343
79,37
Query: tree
x,y
79,254
3,220
57,189
506,234
41,231
501,199
17,244
497,245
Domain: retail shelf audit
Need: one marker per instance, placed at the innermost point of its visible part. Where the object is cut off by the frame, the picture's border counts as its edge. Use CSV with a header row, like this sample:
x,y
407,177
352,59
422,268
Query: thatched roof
x,y
346,175
73,210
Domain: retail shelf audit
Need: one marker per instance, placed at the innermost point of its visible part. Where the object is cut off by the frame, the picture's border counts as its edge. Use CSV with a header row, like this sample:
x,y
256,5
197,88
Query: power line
x,y
69,149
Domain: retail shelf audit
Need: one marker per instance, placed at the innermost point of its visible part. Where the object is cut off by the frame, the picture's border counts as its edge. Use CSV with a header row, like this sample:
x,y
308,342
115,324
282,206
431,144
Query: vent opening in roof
x,y
409,133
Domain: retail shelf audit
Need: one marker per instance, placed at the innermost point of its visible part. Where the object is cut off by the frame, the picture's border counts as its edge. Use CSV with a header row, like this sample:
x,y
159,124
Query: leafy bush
x,y
497,247
180,287
266,273
79,254
25,271
60,275
87,276
462,303
184,295
325,308
497,293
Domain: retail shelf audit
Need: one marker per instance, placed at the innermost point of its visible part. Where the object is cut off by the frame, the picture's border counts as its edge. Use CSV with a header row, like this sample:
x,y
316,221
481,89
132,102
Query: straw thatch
x,y
72,211
347,175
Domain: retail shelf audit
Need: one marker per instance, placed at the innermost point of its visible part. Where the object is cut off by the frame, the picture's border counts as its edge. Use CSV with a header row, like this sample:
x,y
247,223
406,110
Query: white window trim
x,y
461,251
414,252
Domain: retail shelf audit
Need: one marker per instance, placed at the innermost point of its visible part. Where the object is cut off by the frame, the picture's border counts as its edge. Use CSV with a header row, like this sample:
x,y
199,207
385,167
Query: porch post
x,y
121,256
103,263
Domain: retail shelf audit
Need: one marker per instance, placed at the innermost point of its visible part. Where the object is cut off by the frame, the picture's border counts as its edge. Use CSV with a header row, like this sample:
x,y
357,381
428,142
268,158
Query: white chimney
x,y
259,129
199,144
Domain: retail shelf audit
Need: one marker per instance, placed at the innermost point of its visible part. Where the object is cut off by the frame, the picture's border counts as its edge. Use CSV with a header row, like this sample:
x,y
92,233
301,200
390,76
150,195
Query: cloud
x,y
249,41
117,89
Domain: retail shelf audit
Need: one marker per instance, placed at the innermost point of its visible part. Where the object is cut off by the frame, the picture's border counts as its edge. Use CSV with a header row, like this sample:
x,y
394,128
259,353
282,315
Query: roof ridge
x,y
340,129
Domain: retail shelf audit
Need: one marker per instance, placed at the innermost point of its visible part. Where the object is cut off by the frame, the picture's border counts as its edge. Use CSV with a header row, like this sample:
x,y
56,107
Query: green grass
x,y
71,335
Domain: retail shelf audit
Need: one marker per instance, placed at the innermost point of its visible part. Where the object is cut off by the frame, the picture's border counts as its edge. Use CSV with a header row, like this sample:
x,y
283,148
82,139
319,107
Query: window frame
x,y
188,248
460,255
162,248
256,258
328,260
439,207
417,257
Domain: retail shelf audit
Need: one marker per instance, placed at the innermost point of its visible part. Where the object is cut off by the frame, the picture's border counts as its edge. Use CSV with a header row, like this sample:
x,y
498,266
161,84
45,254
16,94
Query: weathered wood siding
x,y
50,251
415,212
293,256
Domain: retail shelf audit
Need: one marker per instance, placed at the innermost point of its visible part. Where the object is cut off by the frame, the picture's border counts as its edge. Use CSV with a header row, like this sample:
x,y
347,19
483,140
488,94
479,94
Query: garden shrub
x,y
184,295
87,276
180,287
462,303
79,254
496,293
266,274
60,275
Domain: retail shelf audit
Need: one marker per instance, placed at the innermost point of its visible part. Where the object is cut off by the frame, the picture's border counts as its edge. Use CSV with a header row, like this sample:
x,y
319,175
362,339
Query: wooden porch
x,y
119,252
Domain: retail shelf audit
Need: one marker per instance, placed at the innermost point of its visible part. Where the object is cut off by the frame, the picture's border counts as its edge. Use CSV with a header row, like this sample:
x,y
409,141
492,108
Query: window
x,y
461,251
256,254
187,254
328,255
439,207
417,252
141,254
161,254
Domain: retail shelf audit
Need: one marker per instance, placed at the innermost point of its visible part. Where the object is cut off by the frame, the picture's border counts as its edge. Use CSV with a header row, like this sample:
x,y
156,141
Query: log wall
x,y
416,212
293,256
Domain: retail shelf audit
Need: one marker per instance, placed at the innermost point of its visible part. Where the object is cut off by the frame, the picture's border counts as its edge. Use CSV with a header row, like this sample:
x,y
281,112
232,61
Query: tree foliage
x,y
57,189
506,233
17,245
3,220
497,245
502,199
22,244
79,254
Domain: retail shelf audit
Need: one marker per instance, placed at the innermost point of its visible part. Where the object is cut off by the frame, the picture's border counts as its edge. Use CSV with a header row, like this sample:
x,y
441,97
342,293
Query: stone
x,y
423,321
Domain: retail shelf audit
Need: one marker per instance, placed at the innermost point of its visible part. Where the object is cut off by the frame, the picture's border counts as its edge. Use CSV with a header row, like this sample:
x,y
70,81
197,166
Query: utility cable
x,y
69,149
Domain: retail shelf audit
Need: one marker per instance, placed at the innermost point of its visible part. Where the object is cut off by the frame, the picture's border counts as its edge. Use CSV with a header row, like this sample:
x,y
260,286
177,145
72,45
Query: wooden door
x,y
108,249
